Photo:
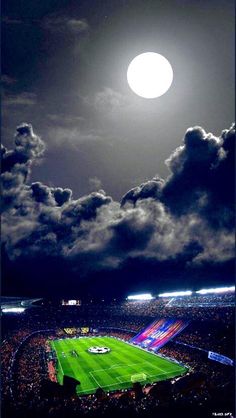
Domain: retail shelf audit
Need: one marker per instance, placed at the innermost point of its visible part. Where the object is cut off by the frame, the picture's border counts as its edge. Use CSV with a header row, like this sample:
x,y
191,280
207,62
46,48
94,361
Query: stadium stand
x,y
159,333
207,388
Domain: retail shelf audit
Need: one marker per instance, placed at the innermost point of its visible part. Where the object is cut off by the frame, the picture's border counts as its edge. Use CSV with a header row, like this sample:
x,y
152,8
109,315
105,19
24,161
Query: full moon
x,y
149,75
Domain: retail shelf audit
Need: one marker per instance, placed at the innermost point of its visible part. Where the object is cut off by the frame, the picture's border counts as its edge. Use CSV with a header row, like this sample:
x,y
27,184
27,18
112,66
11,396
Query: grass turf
x,y
113,370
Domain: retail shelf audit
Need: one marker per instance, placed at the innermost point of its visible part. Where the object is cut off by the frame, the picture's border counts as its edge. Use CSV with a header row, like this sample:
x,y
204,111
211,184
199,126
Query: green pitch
x,y
111,371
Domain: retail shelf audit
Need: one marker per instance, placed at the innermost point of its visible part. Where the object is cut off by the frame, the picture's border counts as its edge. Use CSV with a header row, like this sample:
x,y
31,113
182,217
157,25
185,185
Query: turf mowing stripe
x,y
148,371
116,367
69,367
105,362
159,368
132,370
132,364
167,364
137,356
102,360
84,377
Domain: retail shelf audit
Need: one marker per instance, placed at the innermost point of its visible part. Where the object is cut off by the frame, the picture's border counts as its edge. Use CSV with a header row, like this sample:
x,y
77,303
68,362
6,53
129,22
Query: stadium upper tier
x,y
157,334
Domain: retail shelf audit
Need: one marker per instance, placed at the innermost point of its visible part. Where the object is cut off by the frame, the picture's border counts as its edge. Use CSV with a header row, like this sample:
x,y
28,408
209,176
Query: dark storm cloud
x,y
202,173
28,147
161,221
49,195
152,188
201,180
17,163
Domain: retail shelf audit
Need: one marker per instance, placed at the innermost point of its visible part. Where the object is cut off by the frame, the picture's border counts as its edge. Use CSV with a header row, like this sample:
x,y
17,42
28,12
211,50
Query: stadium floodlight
x,y
144,296
173,294
13,310
216,290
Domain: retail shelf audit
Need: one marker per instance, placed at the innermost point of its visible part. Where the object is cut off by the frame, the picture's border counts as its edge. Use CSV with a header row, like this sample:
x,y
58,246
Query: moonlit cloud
x,y
109,100
61,24
71,135
21,99
95,233
95,184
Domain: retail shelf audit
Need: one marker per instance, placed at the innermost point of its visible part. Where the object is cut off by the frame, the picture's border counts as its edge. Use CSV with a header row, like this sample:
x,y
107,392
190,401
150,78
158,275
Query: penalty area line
x,y
94,378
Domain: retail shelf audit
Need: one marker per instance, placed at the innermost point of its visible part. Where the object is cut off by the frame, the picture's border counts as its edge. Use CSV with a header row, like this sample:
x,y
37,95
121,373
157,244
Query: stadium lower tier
x,y
157,334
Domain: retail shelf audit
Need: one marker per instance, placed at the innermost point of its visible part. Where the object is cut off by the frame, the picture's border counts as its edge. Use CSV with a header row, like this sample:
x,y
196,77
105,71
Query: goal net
x,y
139,377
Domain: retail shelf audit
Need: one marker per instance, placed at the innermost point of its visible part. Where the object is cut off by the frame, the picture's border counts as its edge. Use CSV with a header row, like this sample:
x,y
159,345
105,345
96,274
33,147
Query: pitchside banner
x,y
221,359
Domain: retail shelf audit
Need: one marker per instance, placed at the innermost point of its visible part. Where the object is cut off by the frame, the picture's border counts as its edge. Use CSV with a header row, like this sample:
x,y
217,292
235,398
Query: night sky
x,y
104,191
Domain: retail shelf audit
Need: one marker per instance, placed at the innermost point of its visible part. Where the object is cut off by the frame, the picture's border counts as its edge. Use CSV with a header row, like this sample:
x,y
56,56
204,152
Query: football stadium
x,y
166,355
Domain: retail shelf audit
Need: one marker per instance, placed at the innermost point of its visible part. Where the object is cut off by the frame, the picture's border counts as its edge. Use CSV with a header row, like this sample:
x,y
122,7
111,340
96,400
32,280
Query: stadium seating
x,y
157,334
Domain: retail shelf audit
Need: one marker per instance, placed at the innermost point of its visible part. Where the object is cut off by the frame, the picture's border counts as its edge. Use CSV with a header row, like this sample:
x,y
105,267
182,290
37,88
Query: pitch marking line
x,y
148,376
116,366
86,390
94,378
120,378
120,381
159,368
58,359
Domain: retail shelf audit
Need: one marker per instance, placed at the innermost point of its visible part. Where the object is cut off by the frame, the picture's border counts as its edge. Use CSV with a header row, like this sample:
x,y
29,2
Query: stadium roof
x,y
17,302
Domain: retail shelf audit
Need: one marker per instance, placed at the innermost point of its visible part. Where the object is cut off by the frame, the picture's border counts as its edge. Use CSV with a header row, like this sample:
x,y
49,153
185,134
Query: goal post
x,y
138,377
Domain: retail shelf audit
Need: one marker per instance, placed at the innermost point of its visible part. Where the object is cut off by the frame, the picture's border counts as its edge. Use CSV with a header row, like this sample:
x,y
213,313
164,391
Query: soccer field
x,y
113,370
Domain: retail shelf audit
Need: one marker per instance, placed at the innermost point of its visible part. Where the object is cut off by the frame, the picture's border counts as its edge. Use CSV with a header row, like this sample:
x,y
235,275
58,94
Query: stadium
x,y
164,355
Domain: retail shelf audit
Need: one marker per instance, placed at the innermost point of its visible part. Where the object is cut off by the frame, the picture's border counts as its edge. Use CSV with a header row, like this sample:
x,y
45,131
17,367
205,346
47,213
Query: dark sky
x,y
64,71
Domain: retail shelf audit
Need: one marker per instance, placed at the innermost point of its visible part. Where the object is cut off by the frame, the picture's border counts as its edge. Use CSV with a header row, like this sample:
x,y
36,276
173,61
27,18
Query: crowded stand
x,y
8,350
210,335
156,307
206,388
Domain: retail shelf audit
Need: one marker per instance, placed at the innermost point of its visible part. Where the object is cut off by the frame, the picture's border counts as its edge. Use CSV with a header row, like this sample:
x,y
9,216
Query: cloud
x,y
17,163
60,24
107,101
10,21
7,80
59,135
152,188
200,180
64,119
173,225
21,99
77,25
95,184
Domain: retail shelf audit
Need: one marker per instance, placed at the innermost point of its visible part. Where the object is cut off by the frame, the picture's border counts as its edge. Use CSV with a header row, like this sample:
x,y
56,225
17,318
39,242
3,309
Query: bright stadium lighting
x,y
216,290
13,310
173,294
144,296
